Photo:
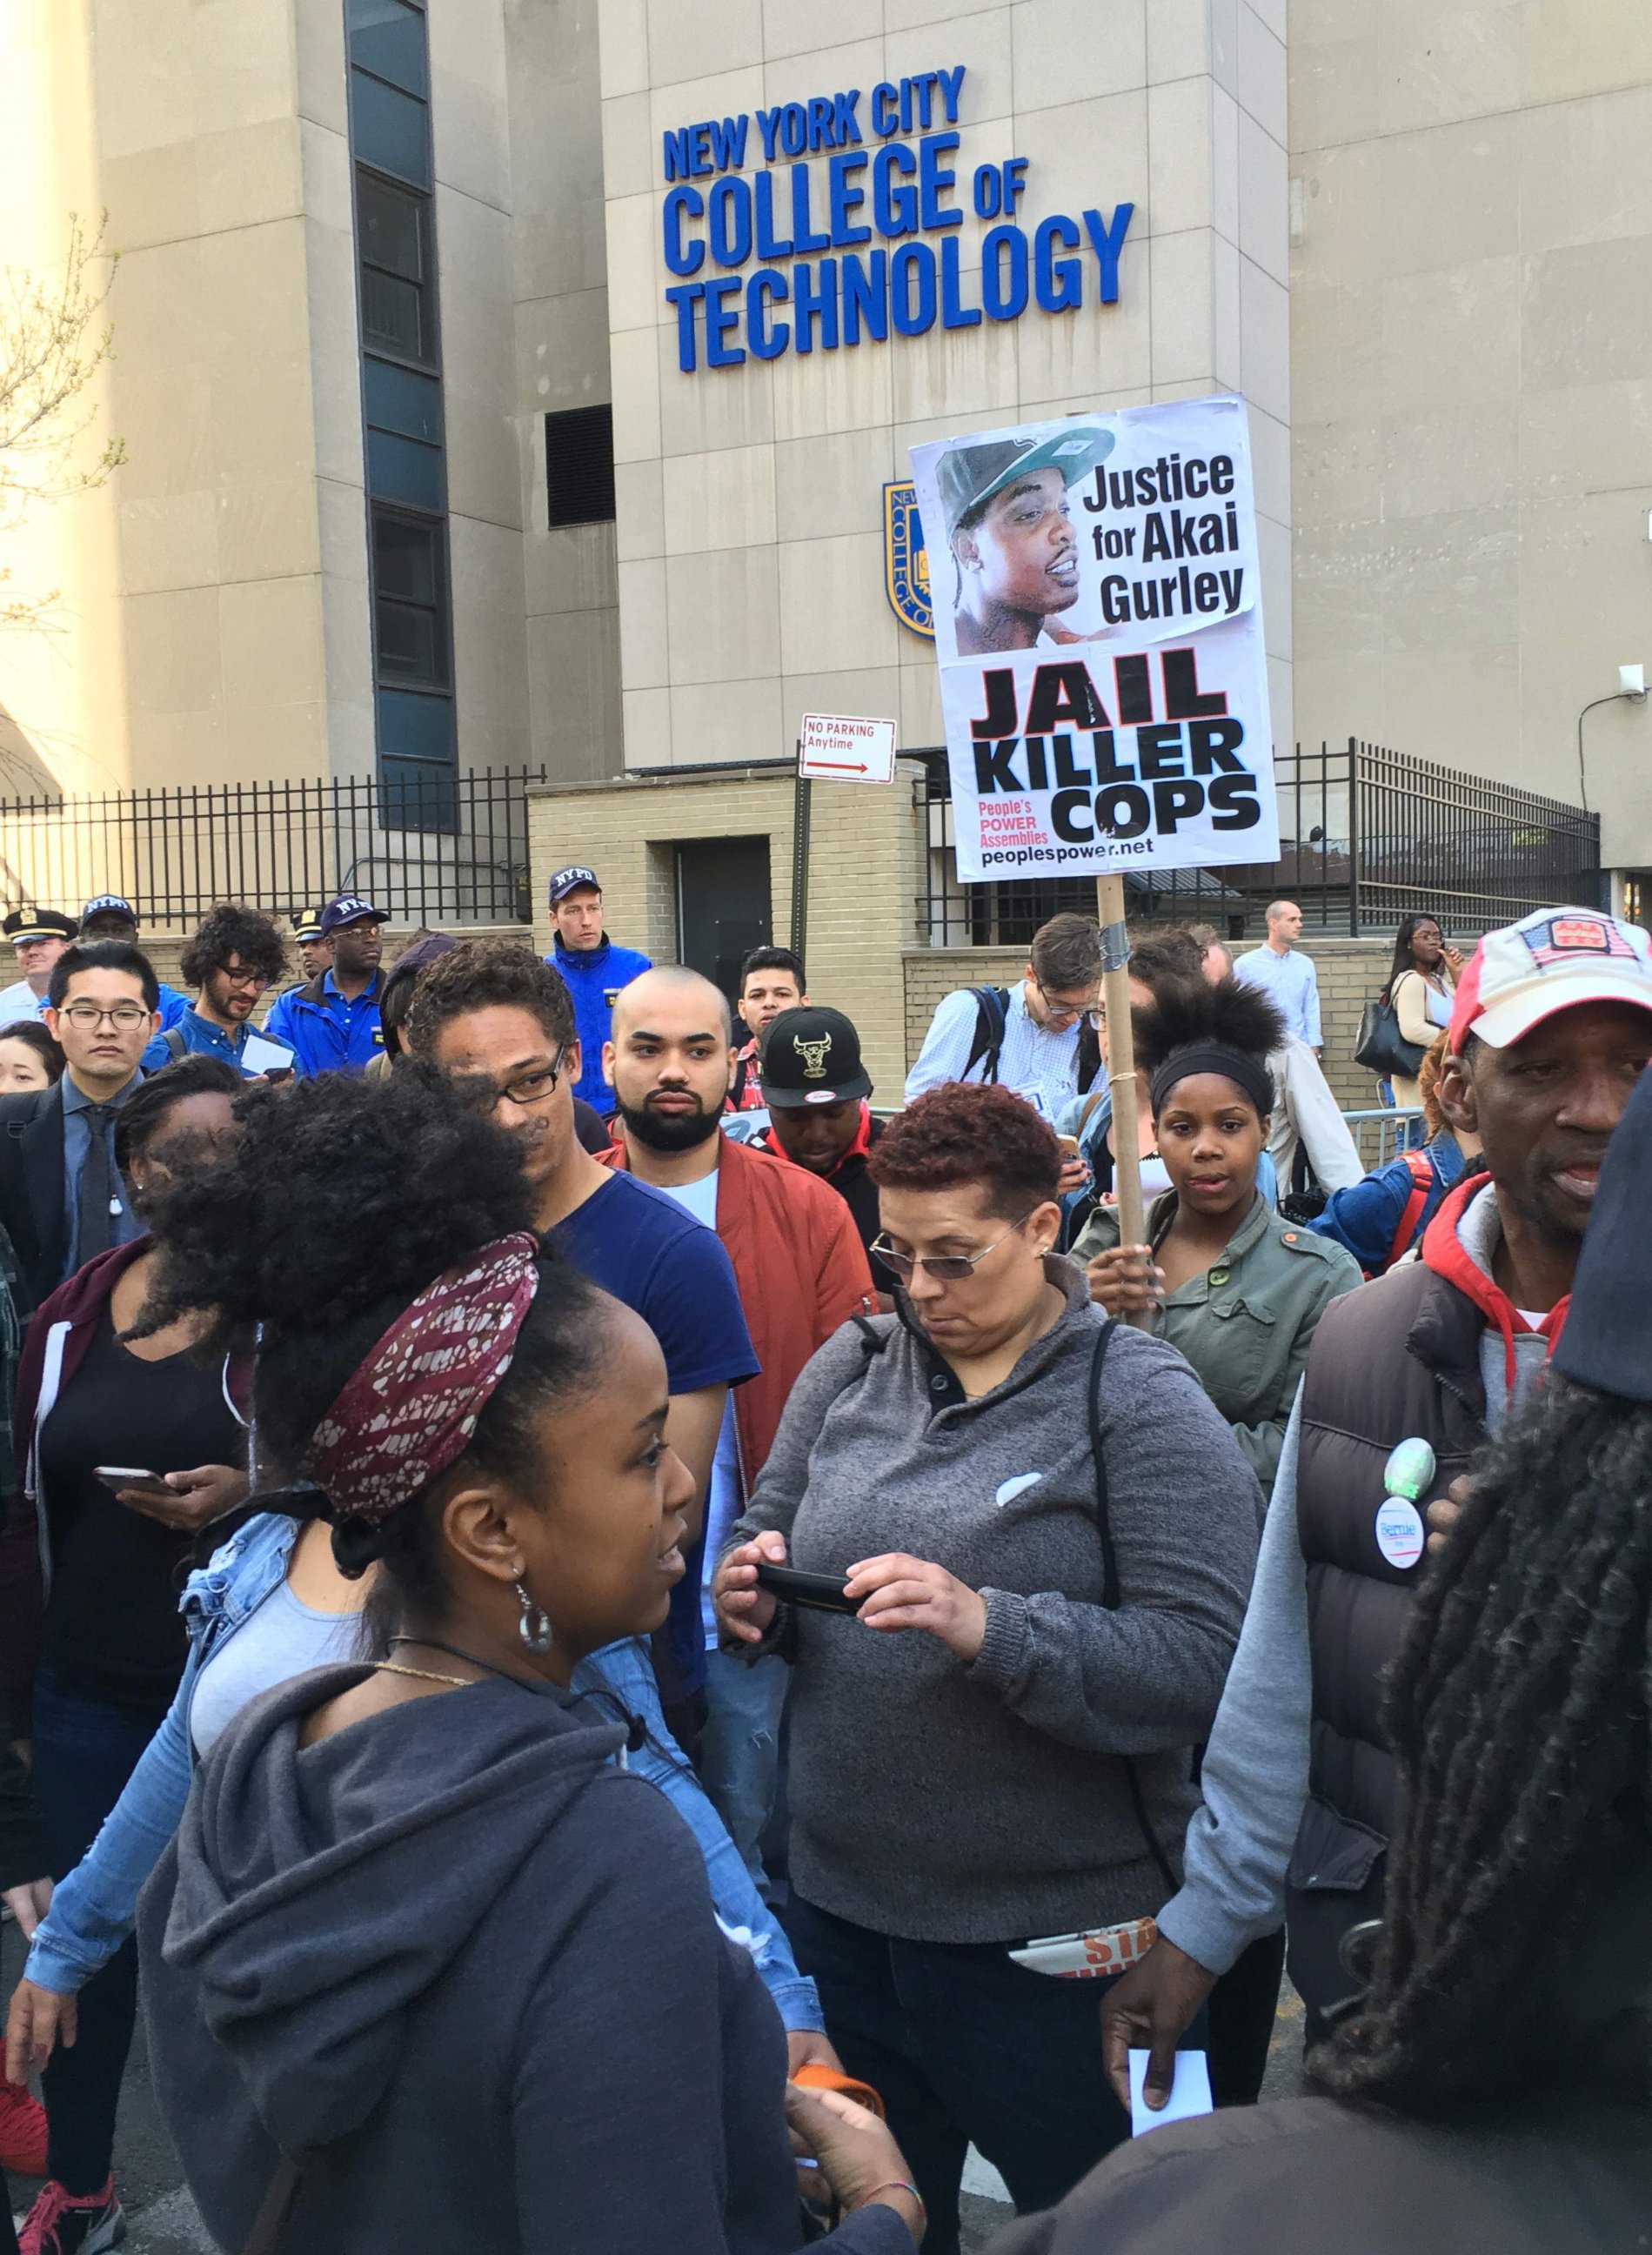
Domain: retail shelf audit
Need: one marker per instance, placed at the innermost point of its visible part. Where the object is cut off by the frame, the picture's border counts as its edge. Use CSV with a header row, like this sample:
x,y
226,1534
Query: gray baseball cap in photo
x,y
968,477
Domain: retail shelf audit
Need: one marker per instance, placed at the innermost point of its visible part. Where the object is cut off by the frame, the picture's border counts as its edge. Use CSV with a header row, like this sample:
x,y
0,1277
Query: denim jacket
x,y
92,1908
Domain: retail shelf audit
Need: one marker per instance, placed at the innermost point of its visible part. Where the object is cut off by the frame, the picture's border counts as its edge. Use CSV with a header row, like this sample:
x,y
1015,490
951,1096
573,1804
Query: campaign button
x,y
1399,1532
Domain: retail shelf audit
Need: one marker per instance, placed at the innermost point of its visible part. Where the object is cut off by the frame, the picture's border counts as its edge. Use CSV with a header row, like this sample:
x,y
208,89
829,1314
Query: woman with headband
x,y
423,1967
1241,1292
1237,1289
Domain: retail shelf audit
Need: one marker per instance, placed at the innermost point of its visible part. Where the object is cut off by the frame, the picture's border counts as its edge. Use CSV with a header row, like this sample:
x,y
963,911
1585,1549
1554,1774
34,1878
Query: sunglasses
x,y
947,1268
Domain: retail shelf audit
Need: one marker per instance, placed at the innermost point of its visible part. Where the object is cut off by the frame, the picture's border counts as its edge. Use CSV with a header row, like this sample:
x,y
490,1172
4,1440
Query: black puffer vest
x,y
1399,1357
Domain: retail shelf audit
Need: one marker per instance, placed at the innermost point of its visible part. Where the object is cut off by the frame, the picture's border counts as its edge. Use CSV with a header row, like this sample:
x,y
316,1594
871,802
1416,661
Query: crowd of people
x,y
918,1650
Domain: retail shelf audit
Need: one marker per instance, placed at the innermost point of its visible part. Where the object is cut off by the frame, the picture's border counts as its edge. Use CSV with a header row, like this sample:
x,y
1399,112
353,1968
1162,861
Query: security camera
x,y
1632,683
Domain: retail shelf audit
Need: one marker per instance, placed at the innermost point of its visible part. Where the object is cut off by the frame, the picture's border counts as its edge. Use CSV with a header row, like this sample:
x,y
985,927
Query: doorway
x,y
722,905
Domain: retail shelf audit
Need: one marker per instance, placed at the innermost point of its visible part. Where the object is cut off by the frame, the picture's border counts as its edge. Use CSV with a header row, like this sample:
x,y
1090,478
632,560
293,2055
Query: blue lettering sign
x,y
770,262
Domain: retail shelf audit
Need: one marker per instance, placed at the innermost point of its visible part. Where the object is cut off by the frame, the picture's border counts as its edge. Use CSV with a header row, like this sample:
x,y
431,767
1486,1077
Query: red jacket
x,y
801,1271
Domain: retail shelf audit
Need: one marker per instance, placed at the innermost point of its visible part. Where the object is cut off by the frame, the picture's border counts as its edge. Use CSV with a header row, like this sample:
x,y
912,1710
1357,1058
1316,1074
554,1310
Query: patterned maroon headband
x,y
410,1410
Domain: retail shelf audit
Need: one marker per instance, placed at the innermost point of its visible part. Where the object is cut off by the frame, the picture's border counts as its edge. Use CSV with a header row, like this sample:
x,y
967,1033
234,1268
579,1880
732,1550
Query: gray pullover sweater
x,y
987,1802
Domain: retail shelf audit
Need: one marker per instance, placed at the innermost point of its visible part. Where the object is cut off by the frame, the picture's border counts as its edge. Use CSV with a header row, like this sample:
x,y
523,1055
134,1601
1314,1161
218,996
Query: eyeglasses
x,y
1062,1015
530,1088
125,1016
947,1268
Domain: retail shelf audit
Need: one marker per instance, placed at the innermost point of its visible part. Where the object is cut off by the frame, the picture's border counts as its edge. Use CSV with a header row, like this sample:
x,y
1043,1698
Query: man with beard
x,y
801,1273
498,1018
234,955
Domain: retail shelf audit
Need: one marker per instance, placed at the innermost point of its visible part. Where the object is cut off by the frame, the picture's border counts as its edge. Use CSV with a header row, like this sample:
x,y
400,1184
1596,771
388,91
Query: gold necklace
x,y
425,1674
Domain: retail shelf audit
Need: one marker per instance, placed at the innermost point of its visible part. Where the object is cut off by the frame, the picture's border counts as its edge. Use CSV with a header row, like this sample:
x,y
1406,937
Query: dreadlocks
x,y
1517,1708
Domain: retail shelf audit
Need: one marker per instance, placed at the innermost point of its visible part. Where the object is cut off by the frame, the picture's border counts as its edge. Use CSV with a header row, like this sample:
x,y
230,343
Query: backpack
x,y
1421,1169
992,1017
175,1045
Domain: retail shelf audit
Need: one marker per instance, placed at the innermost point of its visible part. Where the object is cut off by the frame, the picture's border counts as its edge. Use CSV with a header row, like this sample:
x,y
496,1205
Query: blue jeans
x,y
740,1748
966,2046
84,1752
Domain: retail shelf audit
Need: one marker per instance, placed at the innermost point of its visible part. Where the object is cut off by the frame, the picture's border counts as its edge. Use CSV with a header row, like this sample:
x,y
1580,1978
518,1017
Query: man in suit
x,y
61,1196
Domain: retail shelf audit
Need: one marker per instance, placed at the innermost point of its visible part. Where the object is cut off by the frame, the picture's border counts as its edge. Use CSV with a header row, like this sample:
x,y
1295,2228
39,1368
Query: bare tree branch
x,y
53,339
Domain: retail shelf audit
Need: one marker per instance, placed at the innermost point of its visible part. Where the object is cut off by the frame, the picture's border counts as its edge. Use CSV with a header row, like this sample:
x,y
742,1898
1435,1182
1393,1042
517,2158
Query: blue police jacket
x,y
594,979
324,1032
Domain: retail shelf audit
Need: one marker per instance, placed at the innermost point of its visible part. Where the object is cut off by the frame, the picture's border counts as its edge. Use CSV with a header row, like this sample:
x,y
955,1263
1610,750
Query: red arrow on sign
x,y
842,767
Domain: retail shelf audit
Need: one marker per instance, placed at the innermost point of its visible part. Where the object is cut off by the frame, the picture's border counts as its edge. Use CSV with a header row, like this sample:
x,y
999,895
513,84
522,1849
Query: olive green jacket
x,y
1246,1324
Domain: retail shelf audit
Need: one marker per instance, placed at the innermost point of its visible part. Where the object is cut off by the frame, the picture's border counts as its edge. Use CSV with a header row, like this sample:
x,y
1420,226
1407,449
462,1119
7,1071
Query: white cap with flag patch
x,y
1552,960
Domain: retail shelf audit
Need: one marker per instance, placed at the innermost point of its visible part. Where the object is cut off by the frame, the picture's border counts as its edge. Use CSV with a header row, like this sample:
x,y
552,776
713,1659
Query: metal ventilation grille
x,y
578,466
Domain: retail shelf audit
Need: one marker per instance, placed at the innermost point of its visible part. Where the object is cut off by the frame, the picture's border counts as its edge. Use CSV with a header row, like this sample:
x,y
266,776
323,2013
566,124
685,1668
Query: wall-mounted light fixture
x,y
1632,688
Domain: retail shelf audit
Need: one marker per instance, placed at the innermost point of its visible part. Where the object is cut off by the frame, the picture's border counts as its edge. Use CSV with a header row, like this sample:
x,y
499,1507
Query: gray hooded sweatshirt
x,y
989,1801
473,1970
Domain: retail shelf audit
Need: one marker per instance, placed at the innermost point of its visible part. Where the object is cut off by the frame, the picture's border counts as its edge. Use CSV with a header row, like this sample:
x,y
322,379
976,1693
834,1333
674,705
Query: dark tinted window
x,y
578,466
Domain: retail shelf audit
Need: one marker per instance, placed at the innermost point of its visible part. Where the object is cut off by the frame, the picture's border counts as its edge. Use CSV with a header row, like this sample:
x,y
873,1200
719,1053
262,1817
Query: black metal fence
x,y
1368,836
450,851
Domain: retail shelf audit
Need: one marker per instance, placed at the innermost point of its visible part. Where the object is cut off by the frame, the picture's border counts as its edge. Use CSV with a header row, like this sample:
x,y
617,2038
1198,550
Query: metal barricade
x,y
1383,1132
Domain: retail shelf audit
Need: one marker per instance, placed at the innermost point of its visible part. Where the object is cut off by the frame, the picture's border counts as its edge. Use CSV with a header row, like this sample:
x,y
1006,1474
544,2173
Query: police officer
x,y
593,969
315,952
331,1023
39,936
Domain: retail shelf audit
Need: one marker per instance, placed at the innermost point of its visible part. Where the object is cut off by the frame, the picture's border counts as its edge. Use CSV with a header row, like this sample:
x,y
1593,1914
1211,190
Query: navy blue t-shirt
x,y
641,1246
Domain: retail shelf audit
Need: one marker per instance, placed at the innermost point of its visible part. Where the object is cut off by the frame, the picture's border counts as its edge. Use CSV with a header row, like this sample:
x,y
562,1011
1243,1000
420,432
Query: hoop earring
x,y
534,1627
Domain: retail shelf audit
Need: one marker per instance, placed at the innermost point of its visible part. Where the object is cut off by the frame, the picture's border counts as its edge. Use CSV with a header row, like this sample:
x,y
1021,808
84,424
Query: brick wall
x,y
1351,972
863,876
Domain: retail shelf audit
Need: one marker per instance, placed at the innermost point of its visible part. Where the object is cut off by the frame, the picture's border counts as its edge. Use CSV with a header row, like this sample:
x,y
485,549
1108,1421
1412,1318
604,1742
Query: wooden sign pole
x,y
1115,996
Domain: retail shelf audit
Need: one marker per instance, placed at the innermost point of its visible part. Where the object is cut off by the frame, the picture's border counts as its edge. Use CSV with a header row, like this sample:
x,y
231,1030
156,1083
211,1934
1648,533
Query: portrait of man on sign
x,y
1009,527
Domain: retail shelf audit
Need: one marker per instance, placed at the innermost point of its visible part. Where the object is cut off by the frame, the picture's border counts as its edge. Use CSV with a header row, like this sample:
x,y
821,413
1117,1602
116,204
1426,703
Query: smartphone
x,y
118,1477
822,1593
1068,1145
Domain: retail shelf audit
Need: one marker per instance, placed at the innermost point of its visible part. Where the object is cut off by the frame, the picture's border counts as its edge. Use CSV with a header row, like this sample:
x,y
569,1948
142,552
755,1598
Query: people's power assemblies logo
x,y
906,560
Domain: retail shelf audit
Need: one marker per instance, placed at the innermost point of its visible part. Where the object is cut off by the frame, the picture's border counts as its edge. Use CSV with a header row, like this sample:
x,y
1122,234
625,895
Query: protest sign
x,y
1098,625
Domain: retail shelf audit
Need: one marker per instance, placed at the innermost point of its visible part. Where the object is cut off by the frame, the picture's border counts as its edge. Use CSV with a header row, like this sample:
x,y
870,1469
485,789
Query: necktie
x,y
97,1185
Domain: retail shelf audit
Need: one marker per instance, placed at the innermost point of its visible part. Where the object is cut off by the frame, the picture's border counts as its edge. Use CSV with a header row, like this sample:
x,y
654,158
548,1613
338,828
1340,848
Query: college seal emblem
x,y
905,561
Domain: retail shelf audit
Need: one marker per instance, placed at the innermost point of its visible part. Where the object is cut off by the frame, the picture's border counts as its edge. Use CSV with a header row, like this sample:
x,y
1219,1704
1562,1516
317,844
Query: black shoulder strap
x,y
174,1041
1111,1595
992,1016
1098,1455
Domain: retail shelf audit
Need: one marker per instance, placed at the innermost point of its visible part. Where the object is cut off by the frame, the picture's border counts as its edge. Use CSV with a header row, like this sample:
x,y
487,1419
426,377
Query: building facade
x,y
528,383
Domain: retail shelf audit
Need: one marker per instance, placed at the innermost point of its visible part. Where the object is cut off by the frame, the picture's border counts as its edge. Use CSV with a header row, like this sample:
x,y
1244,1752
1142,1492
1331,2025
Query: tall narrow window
x,y
578,466
401,412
